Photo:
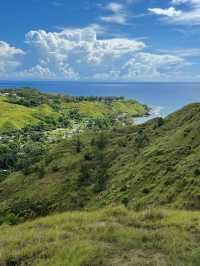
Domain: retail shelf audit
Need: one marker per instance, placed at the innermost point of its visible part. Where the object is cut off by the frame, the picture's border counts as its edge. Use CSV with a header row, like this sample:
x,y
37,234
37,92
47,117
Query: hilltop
x,y
156,163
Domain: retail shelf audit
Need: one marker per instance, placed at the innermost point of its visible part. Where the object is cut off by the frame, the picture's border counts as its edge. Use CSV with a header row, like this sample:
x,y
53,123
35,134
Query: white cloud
x,y
181,2
184,53
116,18
114,7
8,58
145,66
118,13
8,51
178,2
38,72
170,12
42,72
151,66
190,15
160,59
72,53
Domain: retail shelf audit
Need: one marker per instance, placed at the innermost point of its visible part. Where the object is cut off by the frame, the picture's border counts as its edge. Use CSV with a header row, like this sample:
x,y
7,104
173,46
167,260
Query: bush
x,y
197,172
10,219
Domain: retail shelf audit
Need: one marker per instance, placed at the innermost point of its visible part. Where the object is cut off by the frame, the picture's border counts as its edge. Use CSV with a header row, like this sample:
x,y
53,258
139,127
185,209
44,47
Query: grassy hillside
x,y
109,237
127,108
152,164
88,109
15,116
26,107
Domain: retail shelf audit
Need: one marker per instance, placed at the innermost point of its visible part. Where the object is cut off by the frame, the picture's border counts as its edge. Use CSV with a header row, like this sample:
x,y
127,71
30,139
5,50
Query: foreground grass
x,y
112,236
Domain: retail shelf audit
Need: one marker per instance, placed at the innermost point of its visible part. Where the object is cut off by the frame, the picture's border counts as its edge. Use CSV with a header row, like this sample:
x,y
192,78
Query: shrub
x,y
9,219
197,172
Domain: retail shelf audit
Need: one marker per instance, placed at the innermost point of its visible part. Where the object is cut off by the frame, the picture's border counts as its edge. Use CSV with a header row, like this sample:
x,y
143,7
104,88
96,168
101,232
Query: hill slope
x,y
152,164
15,116
109,237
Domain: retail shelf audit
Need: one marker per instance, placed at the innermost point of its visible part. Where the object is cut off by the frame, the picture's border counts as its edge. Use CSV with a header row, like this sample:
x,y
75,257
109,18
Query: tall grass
x,y
111,236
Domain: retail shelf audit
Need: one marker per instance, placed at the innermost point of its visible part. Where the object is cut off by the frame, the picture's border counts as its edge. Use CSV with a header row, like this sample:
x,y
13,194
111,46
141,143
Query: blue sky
x,y
125,40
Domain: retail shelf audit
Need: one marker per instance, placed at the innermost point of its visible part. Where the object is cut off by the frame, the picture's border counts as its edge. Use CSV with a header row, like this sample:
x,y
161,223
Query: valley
x,y
131,192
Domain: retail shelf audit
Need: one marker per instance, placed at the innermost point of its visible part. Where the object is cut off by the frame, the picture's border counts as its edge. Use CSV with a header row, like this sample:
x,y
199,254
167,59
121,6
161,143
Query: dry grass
x,y
112,236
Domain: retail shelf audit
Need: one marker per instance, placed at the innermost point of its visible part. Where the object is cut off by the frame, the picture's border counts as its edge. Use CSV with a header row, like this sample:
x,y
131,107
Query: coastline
x,y
155,111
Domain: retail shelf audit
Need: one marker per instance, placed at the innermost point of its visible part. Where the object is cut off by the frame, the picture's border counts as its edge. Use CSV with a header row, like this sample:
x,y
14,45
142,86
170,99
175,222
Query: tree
x,y
77,143
85,174
101,140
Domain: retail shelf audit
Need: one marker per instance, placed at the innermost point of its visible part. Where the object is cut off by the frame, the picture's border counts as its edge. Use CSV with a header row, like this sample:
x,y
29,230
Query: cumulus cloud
x,y
73,53
151,66
9,60
76,42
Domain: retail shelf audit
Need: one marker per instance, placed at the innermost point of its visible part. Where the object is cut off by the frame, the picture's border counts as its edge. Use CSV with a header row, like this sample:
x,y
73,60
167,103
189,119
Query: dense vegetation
x,y
149,170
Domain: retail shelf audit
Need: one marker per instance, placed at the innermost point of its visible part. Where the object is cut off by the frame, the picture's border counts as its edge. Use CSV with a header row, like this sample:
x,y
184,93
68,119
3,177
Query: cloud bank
x,y
79,54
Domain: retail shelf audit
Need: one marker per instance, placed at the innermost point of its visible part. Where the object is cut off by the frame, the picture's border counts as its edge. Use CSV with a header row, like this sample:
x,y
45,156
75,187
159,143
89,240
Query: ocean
x,y
163,98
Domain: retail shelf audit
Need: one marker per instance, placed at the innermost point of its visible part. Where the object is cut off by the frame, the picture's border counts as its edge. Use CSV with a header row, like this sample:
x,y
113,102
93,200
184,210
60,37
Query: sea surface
x,y
163,98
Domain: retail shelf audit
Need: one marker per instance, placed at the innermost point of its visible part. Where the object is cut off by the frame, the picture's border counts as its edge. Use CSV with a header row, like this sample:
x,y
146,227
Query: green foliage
x,y
27,97
9,219
8,156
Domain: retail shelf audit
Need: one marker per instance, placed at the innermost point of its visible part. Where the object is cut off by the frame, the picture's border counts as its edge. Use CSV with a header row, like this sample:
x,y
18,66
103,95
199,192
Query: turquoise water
x,y
164,98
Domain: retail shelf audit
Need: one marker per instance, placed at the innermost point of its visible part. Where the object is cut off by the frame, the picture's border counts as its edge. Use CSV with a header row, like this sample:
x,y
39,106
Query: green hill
x,y
156,163
108,237
28,107
14,116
